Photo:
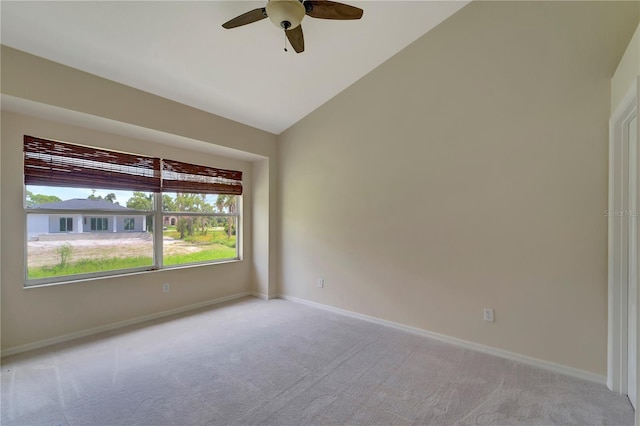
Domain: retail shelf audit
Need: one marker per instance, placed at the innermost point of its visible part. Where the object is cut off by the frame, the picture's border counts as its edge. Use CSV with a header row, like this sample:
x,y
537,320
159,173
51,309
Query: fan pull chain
x,y
285,41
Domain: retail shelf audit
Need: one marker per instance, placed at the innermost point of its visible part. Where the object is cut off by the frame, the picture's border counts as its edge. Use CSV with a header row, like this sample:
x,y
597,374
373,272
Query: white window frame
x,y
66,220
67,163
97,218
157,263
236,215
63,279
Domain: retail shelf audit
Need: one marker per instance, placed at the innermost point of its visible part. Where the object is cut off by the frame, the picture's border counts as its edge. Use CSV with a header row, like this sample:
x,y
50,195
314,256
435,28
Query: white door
x,y
632,312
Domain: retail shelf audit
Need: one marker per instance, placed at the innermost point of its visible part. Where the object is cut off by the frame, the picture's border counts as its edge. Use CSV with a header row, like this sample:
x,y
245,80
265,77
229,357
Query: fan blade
x,y
296,38
246,18
326,9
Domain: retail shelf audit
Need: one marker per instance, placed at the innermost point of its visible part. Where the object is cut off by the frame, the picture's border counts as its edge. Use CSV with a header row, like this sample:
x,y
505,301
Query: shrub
x,y
65,251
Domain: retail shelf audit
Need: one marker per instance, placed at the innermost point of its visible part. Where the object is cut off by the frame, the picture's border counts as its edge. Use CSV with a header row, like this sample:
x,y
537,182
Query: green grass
x,y
216,253
212,237
88,266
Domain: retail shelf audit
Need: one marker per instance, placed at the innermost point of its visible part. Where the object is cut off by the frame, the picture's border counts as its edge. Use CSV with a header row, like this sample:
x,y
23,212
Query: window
x,y
111,195
129,224
66,224
99,224
203,228
201,204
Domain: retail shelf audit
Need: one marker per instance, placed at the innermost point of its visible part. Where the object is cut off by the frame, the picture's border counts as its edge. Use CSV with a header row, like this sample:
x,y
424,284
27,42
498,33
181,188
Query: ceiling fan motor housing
x,y
285,14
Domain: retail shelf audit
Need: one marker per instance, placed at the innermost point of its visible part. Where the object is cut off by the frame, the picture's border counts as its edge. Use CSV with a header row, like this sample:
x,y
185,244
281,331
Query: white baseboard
x,y
513,356
558,368
88,332
260,295
264,296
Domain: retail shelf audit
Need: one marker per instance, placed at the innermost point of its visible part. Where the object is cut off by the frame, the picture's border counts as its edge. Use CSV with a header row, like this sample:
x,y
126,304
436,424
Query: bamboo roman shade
x,y
184,177
53,163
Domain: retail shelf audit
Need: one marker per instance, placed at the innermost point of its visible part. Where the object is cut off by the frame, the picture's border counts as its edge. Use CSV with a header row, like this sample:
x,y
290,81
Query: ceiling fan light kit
x,y
288,14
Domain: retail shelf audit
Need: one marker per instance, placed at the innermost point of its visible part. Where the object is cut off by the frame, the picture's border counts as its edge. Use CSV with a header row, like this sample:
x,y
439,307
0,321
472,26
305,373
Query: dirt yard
x,y
45,253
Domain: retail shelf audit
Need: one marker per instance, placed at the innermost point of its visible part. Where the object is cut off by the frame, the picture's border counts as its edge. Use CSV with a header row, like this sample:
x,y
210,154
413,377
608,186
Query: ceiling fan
x,y
287,14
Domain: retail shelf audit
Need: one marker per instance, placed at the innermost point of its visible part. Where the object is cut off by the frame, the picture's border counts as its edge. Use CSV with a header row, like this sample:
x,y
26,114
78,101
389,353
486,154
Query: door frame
x,y
618,215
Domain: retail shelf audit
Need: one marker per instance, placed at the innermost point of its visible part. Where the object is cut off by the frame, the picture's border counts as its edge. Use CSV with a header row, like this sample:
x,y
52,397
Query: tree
x,y
93,196
184,226
110,197
140,201
227,204
185,203
203,207
168,205
35,199
196,203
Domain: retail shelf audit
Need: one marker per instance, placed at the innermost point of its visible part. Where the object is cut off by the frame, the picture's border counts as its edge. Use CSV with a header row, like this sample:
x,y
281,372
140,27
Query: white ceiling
x,y
178,50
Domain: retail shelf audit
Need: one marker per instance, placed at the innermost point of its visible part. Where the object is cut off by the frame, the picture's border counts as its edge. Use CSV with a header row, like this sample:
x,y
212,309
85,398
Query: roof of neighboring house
x,y
81,204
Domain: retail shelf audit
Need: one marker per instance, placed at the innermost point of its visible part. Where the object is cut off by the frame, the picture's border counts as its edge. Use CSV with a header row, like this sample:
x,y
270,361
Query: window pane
x,y
199,203
129,224
57,254
191,239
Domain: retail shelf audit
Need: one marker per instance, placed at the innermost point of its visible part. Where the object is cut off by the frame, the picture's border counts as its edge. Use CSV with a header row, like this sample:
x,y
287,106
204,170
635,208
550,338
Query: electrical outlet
x,y
488,314
165,287
320,282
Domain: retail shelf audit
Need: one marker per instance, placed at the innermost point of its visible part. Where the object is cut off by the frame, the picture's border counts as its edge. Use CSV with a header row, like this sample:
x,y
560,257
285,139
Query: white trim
x,y
259,295
158,232
626,101
88,332
264,296
618,243
524,359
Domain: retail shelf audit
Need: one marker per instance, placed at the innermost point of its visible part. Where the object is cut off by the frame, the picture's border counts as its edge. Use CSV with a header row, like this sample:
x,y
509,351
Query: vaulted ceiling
x,y
178,50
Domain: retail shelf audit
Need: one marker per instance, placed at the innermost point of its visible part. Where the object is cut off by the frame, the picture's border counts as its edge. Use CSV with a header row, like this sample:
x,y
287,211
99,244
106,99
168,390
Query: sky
x,y
70,193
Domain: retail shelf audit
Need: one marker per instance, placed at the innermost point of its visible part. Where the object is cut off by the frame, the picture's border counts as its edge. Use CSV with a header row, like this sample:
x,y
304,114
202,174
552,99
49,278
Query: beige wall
x,y
627,71
260,240
70,96
35,314
30,77
468,171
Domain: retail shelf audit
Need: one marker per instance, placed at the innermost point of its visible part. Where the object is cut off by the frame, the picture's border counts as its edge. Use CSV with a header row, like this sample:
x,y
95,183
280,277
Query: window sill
x,y
26,286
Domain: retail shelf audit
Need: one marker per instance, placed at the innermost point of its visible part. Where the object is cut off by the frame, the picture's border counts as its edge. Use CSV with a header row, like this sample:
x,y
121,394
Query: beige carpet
x,y
280,363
